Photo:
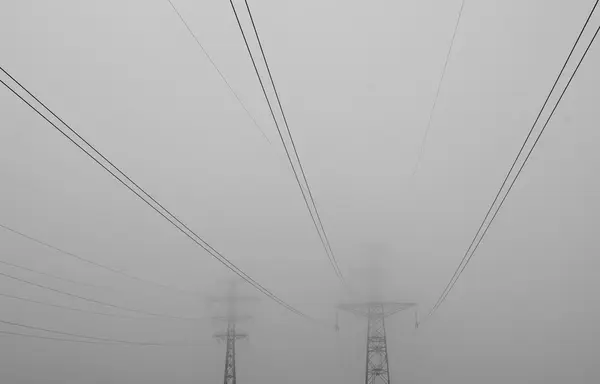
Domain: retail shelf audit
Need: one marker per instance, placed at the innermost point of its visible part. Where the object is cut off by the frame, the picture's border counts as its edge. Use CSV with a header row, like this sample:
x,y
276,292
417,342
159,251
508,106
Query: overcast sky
x,y
357,80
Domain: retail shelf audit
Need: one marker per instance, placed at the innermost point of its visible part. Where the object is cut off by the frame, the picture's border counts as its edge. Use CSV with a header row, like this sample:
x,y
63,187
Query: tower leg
x,y
367,370
230,377
377,370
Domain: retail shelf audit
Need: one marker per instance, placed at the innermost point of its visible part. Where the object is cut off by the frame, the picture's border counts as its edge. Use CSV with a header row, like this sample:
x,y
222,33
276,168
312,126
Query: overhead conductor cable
x,y
481,232
126,181
307,196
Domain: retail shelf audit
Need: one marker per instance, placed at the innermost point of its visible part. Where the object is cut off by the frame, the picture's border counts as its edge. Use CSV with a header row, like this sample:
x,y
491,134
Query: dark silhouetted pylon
x,y
231,335
377,368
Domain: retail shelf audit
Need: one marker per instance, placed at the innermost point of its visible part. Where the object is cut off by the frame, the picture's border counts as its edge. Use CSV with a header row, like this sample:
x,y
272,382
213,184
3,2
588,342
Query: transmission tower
x,y
231,335
377,368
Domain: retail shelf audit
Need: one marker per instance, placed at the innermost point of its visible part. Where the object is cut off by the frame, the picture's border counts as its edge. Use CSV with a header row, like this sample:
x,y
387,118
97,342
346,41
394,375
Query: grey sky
x,y
357,79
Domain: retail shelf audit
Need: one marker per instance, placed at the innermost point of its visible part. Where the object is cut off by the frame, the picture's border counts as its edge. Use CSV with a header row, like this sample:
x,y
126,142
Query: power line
x,y
517,175
522,146
53,338
66,307
66,280
94,301
466,256
439,87
333,258
314,216
93,338
93,263
214,65
164,214
145,197
17,266
477,239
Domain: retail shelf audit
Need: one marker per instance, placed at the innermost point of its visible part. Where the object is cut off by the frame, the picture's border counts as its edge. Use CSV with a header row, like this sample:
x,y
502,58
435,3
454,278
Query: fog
x,y
357,80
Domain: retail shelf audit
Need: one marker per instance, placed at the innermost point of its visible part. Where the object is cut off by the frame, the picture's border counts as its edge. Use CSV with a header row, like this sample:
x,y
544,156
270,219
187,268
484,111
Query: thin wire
x,y
171,218
518,154
93,338
523,164
166,214
66,333
322,238
53,338
439,87
66,280
195,37
281,135
93,263
200,242
94,301
51,275
337,267
66,307
467,258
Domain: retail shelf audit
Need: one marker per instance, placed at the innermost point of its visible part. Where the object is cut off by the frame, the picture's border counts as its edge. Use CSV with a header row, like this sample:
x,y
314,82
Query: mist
x,y
125,296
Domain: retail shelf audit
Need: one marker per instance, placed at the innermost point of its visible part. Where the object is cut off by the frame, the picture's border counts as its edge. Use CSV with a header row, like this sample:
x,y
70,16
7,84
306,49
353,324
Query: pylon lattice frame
x,y
230,337
377,368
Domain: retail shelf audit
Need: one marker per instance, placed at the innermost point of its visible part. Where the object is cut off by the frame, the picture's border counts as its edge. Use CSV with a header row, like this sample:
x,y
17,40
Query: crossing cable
x,y
477,239
315,217
439,87
46,304
93,263
72,282
28,336
293,143
53,276
322,239
145,197
94,301
214,65
511,185
92,338
466,257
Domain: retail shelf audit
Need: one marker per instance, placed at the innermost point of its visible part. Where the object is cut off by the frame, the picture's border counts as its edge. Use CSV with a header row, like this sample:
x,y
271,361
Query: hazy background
x,y
357,79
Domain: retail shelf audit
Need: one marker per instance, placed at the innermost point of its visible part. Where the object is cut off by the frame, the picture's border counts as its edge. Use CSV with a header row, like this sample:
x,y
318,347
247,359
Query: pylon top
x,y
232,298
223,335
232,318
376,308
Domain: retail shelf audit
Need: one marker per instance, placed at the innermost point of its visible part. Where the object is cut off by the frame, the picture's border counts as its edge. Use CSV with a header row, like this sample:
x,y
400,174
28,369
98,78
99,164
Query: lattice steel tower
x,y
231,335
377,368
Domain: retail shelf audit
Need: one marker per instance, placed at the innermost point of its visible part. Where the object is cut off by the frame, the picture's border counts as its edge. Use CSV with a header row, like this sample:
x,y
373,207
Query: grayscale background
x,y
357,79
